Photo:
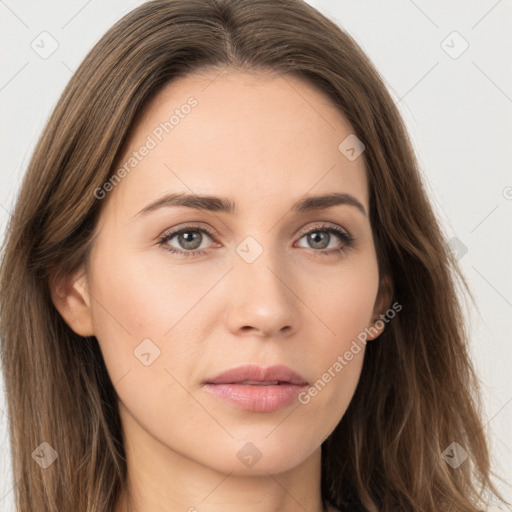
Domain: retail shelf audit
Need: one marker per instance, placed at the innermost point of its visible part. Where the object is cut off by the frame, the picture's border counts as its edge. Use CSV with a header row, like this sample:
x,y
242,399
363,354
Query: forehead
x,y
251,136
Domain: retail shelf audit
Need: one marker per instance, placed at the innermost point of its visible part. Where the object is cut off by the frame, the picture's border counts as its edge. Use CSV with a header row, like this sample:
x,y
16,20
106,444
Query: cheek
x,y
149,316
130,303
345,306
343,297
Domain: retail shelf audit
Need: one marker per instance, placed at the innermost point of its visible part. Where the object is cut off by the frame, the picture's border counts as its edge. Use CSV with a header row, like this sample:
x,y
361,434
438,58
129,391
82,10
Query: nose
x,y
264,300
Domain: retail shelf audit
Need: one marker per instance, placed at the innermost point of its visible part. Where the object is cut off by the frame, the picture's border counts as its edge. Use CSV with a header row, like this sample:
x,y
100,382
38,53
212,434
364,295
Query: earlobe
x,y
381,306
70,296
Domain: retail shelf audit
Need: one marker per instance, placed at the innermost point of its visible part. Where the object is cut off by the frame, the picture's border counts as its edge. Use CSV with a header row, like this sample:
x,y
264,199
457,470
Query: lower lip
x,y
256,398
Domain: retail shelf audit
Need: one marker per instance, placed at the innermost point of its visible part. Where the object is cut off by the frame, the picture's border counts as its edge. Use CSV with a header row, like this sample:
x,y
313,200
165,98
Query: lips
x,y
257,389
258,375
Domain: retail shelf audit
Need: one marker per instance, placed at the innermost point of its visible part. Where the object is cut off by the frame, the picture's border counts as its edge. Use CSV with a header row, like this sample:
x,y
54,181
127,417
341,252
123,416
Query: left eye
x,y
189,240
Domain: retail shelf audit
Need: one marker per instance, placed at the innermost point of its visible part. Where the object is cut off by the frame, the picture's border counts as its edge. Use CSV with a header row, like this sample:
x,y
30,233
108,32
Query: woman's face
x,y
265,283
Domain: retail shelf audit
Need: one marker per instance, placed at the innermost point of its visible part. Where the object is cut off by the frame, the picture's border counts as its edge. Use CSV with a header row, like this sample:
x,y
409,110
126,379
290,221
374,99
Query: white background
x,y
458,111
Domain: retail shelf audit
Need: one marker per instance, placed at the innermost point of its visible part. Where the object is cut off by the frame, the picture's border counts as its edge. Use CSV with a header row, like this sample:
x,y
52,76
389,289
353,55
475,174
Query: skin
x,y
264,141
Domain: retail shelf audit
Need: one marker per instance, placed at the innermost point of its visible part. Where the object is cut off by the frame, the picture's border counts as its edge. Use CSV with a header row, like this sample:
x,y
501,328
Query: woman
x,y
235,293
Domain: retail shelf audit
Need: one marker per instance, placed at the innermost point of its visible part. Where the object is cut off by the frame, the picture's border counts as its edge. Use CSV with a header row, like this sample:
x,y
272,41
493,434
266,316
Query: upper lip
x,y
255,373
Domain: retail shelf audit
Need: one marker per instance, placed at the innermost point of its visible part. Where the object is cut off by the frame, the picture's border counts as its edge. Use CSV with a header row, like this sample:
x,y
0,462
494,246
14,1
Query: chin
x,y
261,455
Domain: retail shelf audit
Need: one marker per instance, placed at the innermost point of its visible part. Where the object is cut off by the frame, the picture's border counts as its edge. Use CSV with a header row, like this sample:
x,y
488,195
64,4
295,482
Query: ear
x,y
70,296
382,304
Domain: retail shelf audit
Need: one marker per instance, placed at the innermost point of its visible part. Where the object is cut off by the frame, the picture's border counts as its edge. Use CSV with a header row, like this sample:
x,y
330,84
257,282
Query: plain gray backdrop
x,y
448,68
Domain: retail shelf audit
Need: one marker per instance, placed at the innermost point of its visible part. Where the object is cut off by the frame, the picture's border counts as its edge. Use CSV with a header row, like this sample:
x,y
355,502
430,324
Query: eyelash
x,y
344,236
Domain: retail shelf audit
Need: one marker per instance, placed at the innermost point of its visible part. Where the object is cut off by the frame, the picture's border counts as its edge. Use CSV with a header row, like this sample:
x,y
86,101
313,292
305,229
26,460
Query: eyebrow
x,y
225,205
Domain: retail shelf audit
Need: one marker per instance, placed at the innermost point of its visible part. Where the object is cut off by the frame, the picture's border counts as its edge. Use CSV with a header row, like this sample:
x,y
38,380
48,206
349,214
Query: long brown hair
x,y
417,393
